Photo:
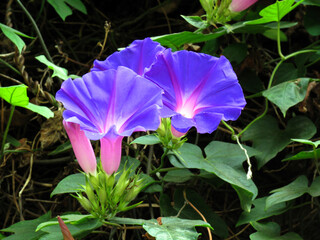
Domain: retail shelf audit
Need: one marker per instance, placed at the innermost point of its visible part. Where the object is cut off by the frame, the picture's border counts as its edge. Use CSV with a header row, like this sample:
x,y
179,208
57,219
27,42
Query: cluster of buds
x,y
107,195
218,11
168,136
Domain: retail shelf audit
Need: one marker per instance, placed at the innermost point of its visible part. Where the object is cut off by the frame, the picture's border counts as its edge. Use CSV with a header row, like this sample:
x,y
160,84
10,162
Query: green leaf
x,y
314,189
26,229
64,10
70,184
225,161
305,141
57,71
260,212
312,21
15,95
268,139
286,72
271,231
287,94
178,176
235,52
146,140
79,226
292,191
73,218
250,81
173,228
311,2
273,34
275,12
304,155
13,35
42,110
61,149
195,21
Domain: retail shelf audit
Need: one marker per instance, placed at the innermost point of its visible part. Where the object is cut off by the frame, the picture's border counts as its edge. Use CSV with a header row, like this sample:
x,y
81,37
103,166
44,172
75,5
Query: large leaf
x,y
294,190
26,229
13,35
287,94
64,10
260,212
15,95
225,161
268,139
275,12
57,71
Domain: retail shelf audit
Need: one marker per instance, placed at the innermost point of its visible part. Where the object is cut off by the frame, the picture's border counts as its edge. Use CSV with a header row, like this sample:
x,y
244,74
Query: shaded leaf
x,y
225,161
268,139
312,21
287,94
304,155
260,211
64,10
70,184
13,35
178,176
26,229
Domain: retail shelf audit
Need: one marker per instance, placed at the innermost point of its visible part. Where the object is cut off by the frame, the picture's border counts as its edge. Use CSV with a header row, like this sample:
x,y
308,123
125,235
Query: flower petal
x,y
82,147
111,153
196,83
138,56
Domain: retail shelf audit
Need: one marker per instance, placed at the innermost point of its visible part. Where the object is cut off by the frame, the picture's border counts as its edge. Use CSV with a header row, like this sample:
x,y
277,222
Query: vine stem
x,y
161,162
5,134
37,30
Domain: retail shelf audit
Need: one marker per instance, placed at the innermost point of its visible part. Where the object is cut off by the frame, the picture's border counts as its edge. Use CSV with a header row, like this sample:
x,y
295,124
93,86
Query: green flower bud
x,y
85,203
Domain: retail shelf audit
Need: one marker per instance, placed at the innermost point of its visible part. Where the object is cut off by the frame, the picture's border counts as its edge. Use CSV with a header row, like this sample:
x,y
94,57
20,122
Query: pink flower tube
x,y
240,5
81,146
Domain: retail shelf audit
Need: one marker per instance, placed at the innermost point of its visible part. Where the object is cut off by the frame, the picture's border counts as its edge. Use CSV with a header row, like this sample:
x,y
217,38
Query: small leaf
x,y
195,21
273,34
314,189
304,155
13,35
146,140
70,184
178,176
235,52
61,149
287,94
15,95
57,71
64,10
42,110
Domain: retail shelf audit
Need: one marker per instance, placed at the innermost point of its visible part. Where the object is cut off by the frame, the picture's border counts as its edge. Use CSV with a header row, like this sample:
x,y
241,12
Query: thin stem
x,y
229,127
161,162
37,30
278,33
6,131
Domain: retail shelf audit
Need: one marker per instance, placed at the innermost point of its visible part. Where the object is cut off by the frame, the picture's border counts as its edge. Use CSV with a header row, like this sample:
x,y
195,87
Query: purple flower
x,y
138,57
199,90
109,105
240,5
82,147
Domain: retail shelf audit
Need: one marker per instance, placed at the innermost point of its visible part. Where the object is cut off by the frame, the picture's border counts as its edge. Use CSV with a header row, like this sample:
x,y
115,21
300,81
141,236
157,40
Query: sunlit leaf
x,y
42,110
15,95
57,71
275,12
146,140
